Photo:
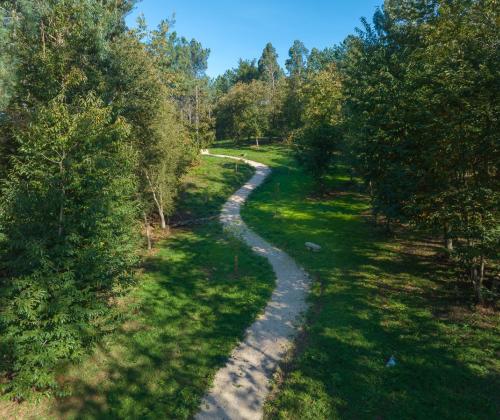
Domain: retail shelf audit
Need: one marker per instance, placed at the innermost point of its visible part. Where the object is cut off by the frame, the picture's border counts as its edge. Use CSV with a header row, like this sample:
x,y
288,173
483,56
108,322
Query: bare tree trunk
x,y
157,200
42,31
197,115
148,231
477,275
481,279
162,218
257,141
448,242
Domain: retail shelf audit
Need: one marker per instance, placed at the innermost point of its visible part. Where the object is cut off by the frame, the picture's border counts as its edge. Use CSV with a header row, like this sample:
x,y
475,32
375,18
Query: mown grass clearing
x,y
181,321
373,297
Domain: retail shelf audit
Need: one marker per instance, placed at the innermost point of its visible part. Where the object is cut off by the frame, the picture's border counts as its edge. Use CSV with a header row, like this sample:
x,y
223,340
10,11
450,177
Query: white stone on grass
x,y
313,247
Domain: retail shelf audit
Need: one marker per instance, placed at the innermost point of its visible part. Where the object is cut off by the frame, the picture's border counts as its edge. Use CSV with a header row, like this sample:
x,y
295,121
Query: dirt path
x,y
240,388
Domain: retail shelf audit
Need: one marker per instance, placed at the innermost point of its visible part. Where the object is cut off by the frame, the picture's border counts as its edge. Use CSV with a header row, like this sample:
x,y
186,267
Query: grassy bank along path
x,y
241,386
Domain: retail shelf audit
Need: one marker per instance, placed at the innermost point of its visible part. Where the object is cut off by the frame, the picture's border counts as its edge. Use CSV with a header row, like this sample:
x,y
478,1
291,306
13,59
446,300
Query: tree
x,y
183,64
420,95
7,68
297,59
67,221
319,59
246,71
244,112
454,80
162,141
319,137
292,106
269,69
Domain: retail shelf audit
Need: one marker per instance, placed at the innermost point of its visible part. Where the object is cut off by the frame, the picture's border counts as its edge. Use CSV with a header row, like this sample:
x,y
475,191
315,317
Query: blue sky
x,y
234,29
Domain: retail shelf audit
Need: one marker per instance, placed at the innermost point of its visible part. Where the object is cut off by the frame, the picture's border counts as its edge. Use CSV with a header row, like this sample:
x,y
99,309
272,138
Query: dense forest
x,y
99,123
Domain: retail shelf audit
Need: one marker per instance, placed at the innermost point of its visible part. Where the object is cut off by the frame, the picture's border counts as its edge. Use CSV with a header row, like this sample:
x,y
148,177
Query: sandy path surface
x,y
241,387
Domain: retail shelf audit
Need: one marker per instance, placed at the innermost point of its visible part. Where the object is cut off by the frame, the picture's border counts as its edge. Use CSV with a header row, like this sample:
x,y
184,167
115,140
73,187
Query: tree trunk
x,y
448,242
388,225
481,279
158,201
42,31
148,231
162,218
197,115
257,141
477,274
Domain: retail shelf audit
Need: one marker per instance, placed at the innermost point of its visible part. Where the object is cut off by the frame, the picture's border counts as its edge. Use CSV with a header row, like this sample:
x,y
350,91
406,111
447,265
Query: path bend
x,y
242,385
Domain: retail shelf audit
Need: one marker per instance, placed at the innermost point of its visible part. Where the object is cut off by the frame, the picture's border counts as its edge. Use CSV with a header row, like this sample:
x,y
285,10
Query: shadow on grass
x,y
198,200
189,313
182,319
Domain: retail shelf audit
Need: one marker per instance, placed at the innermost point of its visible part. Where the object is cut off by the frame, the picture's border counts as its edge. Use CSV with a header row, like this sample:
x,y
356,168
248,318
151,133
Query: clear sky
x,y
238,28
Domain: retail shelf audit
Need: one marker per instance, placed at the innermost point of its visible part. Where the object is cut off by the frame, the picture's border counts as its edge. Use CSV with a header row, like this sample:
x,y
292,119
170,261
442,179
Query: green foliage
x,y
244,111
7,68
165,149
314,149
92,136
183,64
297,59
420,87
269,69
320,59
319,137
68,224
182,318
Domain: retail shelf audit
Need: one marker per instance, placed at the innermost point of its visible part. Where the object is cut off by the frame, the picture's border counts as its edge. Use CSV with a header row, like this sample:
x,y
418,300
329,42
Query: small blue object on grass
x,y
391,362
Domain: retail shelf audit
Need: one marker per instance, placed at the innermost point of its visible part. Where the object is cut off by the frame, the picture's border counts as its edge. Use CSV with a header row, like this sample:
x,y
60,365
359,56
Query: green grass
x,y
181,320
372,297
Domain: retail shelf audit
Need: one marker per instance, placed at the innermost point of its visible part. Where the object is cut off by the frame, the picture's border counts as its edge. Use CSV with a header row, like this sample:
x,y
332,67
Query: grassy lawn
x,y
182,319
373,297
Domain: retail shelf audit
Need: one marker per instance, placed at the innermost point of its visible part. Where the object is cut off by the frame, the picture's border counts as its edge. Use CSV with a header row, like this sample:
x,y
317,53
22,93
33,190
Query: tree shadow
x,y
198,202
190,313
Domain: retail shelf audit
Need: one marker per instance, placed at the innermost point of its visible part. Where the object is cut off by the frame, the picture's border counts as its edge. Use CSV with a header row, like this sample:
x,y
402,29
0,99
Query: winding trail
x,y
241,387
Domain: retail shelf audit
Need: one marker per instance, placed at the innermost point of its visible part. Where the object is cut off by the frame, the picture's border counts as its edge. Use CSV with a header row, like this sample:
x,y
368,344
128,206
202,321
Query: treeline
x,y
410,103
97,125
421,110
